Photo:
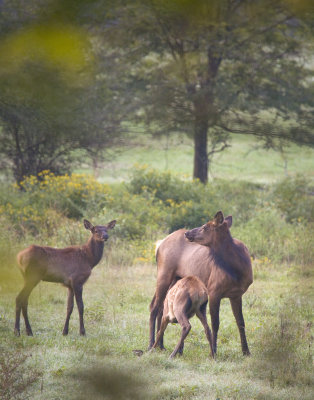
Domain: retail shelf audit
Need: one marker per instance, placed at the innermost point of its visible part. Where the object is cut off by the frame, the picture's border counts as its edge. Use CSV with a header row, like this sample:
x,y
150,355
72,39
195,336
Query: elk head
x,y
100,231
213,231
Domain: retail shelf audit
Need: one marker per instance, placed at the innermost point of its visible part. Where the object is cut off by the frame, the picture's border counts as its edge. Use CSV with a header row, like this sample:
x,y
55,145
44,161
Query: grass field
x,y
277,310
244,160
278,307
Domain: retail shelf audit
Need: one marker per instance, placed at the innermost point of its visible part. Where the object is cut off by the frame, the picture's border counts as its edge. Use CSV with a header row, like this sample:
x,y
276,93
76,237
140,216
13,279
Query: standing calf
x,y
185,299
221,262
71,266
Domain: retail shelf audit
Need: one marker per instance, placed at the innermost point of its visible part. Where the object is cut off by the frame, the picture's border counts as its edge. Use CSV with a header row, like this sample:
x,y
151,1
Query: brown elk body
x,y
70,266
185,299
220,261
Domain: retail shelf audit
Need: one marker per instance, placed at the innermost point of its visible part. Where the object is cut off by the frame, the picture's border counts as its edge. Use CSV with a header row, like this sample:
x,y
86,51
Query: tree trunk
x,y
200,151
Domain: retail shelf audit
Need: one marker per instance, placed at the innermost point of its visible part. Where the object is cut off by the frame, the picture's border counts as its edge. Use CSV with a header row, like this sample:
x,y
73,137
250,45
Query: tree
x,y
214,68
51,100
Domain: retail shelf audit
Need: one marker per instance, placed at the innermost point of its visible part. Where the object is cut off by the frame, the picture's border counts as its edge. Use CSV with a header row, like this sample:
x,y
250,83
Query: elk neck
x,y
222,252
94,250
222,242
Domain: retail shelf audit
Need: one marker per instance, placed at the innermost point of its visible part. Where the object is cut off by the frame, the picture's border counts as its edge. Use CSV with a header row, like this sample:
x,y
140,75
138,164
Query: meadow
x,y
245,160
273,214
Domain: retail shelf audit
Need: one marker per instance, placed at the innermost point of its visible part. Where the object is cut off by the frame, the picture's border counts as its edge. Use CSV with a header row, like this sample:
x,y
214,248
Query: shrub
x,y
68,195
153,204
15,376
294,197
190,203
267,234
138,216
163,185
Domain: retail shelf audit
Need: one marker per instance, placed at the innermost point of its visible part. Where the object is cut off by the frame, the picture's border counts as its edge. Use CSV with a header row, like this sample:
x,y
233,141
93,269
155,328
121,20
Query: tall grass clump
x,y
284,355
16,377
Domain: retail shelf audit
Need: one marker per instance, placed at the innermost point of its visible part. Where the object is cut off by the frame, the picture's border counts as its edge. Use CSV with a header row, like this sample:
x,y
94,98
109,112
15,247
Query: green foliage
x,y
37,205
294,197
163,186
139,215
209,70
153,204
191,204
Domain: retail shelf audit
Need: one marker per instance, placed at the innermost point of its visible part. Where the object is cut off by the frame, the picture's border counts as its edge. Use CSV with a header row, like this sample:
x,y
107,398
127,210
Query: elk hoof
x,y
83,333
17,332
29,333
65,333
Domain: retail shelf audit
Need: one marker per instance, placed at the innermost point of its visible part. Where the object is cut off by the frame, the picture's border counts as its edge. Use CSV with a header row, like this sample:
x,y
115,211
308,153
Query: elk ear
x,y
88,225
229,220
111,224
219,218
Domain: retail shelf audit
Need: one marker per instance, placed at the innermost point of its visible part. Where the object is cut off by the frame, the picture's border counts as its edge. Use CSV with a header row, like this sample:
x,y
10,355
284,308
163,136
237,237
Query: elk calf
x,y
71,267
185,299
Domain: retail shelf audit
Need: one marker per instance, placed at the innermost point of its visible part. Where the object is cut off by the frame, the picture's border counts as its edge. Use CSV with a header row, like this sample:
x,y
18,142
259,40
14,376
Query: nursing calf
x,y
185,299
220,261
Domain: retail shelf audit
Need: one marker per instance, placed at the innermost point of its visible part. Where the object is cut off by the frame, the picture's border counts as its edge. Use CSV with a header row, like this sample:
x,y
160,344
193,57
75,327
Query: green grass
x,y
242,161
277,307
277,310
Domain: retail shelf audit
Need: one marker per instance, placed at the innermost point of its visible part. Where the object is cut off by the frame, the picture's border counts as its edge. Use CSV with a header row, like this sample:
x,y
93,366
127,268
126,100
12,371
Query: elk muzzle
x,y
189,235
105,237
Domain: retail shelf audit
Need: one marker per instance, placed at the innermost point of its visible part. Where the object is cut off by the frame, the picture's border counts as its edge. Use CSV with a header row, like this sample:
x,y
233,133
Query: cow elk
x,y
70,266
220,261
185,299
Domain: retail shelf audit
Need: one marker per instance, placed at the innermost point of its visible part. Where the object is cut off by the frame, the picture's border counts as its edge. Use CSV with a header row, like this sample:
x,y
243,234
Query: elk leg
x,y
159,317
21,305
181,348
152,322
201,314
214,305
236,305
69,311
18,309
163,326
161,338
78,291
156,306
25,315
186,327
